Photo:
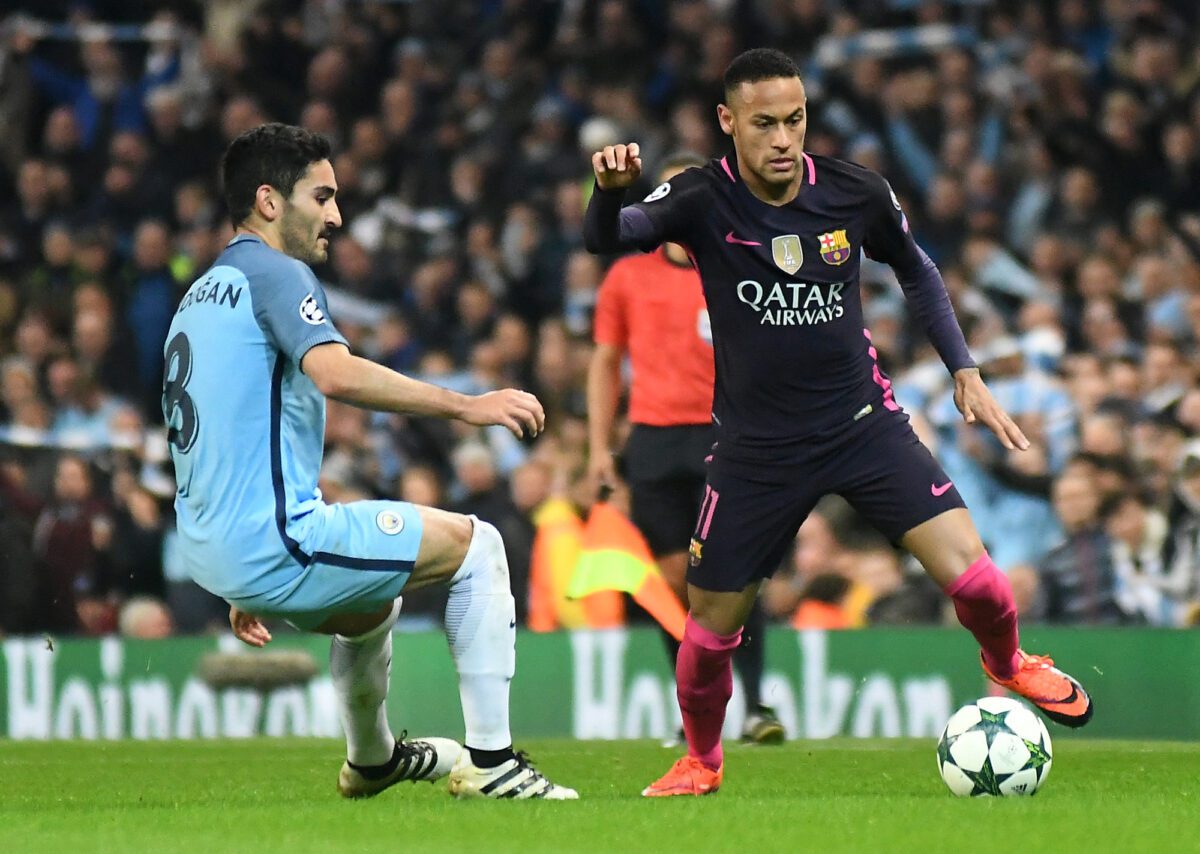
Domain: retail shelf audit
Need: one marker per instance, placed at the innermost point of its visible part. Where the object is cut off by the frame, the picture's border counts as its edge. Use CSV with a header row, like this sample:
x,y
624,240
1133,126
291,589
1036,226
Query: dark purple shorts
x,y
754,503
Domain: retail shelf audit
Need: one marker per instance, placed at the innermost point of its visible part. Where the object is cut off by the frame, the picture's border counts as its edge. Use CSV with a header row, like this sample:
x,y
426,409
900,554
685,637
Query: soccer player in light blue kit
x,y
250,358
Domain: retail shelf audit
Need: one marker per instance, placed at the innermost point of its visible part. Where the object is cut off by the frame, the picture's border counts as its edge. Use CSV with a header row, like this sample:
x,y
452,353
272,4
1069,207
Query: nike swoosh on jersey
x,y
729,238
939,491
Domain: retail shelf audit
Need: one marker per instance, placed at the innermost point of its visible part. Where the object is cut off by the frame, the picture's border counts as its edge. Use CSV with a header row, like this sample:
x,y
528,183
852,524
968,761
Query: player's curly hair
x,y
760,63
274,154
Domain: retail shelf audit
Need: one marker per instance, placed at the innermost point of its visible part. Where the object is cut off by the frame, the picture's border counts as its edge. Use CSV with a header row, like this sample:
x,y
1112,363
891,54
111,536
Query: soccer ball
x,y
994,746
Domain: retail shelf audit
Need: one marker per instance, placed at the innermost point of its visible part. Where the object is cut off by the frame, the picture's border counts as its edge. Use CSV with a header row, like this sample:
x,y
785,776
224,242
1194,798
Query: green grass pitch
x,y
265,796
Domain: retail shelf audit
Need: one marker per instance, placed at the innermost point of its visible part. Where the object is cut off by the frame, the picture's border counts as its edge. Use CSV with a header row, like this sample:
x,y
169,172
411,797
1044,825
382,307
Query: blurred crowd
x,y
1047,156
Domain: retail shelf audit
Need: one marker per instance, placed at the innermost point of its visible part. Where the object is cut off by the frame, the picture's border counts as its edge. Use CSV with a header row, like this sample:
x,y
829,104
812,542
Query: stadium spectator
x,y
1181,556
1146,589
1075,579
144,618
70,534
151,300
20,594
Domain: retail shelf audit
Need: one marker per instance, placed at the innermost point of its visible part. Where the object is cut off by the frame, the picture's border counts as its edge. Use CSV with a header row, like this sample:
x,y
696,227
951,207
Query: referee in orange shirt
x,y
652,308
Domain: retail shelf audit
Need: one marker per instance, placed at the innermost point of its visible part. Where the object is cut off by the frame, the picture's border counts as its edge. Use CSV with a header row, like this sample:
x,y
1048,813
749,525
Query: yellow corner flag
x,y
615,557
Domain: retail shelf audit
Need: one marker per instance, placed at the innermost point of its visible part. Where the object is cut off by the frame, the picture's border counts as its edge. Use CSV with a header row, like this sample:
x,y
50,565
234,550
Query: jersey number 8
x,y
179,410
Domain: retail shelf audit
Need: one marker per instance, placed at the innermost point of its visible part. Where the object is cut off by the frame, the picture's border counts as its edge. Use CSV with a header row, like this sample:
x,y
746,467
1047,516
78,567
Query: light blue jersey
x,y
246,434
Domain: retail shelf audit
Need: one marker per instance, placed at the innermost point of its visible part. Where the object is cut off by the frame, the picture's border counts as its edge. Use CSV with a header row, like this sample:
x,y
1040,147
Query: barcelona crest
x,y
835,246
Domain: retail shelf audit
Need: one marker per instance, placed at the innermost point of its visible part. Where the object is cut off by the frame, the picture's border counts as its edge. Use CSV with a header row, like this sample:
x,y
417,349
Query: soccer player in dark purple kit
x,y
801,407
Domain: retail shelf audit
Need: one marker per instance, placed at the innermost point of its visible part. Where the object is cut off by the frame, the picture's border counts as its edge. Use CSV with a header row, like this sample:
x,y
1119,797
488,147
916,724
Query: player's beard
x,y
296,235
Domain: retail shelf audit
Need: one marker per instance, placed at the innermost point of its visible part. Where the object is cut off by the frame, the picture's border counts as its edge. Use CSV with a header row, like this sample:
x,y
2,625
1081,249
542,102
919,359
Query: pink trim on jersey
x,y
809,167
889,400
728,171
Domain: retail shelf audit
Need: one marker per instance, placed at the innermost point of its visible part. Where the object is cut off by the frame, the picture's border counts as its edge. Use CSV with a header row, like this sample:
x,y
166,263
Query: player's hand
x,y
601,470
247,628
976,404
519,411
617,166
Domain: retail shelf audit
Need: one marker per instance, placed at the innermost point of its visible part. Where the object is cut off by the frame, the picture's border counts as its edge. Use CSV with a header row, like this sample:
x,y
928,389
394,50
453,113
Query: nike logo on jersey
x,y
729,238
939,491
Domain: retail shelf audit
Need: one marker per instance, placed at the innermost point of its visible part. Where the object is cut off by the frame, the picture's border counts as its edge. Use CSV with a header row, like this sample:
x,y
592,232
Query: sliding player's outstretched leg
x,y
360,665
481,629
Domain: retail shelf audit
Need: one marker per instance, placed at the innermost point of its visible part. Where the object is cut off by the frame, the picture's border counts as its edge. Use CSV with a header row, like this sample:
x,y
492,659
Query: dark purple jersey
x,y
793,356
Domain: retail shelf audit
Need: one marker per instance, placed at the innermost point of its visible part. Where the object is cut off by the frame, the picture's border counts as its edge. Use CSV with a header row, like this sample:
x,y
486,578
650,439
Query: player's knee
x,y
459,531
444,545
721,613
964,551
492,560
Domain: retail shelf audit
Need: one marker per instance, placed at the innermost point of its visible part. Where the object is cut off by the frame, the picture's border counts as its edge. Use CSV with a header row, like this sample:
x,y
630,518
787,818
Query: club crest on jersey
x,y
310,312
390,522
835,246
786,251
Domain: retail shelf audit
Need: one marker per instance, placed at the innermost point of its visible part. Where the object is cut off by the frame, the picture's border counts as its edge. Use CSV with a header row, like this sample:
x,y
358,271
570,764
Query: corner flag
x,y
615,557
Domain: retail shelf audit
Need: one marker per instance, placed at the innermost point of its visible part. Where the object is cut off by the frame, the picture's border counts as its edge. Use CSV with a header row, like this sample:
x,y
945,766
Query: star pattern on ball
x,y
1012,757
990,724
985,781
1039,756
943,752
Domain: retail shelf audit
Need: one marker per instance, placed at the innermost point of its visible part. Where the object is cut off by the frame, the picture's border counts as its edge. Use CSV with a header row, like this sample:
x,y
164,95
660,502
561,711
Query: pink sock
x,y
983,601
704,684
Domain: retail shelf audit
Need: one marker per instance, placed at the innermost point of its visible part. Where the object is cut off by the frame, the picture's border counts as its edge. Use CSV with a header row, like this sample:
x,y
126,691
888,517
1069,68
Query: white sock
x,y
360,667
480,626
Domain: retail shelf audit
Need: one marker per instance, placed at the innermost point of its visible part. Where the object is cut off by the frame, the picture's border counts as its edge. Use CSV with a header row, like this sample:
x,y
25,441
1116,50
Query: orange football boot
x,y
688,776
1060,696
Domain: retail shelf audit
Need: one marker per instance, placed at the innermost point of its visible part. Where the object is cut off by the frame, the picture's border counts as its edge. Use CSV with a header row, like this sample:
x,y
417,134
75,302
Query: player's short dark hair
x,y
682,159
274,154
760,63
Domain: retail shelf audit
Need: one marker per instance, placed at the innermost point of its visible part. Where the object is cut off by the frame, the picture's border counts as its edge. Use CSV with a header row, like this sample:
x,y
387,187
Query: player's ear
x,y
266,202
725,119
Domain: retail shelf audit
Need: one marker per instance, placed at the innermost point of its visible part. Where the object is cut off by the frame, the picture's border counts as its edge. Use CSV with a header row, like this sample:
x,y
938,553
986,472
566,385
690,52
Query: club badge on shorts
x,y
390,522
695,552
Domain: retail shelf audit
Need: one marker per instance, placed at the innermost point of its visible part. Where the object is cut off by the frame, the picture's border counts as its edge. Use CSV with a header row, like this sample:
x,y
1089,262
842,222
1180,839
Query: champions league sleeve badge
x,y
310,312
659,192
